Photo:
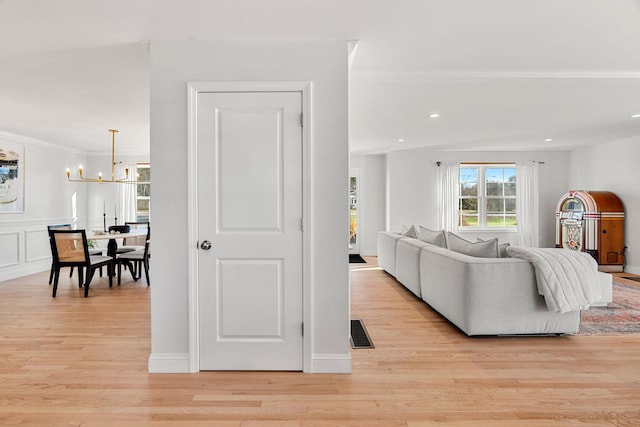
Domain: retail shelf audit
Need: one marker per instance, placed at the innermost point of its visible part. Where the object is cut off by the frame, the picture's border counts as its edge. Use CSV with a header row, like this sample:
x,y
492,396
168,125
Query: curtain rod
x,y
138,163
490,163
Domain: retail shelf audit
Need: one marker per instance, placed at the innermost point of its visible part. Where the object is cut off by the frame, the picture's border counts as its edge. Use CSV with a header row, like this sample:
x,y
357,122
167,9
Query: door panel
x,y
237,296
257,185
249,159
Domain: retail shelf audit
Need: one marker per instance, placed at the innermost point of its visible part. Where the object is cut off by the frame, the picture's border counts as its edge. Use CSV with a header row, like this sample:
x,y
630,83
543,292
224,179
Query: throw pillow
x,y
410,232
488,249
431,236
502,248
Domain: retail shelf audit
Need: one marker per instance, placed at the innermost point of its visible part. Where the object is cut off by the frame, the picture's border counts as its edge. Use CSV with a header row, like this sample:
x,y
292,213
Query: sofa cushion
x,y
487,249
434,237
502,248
409,232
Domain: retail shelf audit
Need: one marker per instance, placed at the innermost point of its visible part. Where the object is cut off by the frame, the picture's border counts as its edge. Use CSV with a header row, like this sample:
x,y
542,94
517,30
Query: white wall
x,y
371,199
173,65
412,188
613,167
49,199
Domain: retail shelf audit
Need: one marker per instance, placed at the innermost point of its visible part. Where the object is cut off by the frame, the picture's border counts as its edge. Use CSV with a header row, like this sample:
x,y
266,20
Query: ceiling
x,y
502,74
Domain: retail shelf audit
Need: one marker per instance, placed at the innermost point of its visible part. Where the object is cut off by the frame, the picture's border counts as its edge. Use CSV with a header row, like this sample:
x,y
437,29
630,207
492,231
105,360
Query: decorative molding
x,y
36,250
331,364
21,270
631,269
20,139
456,75
169,363
9,245
35,222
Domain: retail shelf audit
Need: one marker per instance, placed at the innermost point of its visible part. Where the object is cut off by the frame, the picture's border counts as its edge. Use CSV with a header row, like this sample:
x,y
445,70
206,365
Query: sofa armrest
x,y
387,242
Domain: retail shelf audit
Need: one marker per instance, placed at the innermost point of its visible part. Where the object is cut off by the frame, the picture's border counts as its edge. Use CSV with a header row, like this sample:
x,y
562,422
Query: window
x,y
487,196
143,192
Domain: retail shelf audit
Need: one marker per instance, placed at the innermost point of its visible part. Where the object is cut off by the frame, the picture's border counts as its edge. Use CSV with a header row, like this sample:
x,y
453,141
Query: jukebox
x,y
593,222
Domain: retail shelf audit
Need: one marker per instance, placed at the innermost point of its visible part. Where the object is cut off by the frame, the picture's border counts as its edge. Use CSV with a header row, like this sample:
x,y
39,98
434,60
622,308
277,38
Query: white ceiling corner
x,y
503,74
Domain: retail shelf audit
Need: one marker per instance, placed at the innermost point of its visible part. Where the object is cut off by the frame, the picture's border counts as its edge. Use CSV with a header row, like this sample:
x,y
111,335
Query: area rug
x,y
355,259
622,316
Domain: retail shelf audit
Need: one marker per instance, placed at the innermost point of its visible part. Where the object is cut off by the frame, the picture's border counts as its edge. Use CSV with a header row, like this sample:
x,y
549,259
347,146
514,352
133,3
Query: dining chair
x,y
130,244
66,227
56,227
135,261
70,249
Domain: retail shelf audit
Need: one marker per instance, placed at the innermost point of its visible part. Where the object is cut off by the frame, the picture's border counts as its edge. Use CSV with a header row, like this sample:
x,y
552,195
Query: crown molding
x,y
26,140
444,75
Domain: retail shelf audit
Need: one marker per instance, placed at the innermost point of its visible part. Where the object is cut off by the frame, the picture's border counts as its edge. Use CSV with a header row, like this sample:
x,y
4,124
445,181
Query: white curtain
x,y
448,195
126,193
527,203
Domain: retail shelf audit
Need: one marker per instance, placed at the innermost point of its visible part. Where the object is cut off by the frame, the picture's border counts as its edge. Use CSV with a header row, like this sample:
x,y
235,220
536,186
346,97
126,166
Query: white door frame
x,y
192,206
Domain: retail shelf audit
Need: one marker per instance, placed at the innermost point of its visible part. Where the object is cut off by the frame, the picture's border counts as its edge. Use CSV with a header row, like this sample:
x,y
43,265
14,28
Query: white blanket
x,y
567,279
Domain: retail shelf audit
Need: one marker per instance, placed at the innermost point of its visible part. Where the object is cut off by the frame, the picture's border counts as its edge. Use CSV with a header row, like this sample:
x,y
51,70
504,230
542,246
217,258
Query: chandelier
x,y
100,179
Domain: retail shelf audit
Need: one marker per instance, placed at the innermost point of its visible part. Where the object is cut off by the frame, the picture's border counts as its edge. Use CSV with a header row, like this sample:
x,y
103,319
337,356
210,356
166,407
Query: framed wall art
x,y
11,178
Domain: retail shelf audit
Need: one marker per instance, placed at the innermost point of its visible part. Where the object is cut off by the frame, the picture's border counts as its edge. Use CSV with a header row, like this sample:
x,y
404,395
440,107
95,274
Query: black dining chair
x,y
70,249
66,227
56,227
130,244
135,261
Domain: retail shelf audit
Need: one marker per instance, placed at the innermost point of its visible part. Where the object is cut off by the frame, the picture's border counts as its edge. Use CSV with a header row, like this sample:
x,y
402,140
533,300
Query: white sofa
x,y
387,243
481,296
408,264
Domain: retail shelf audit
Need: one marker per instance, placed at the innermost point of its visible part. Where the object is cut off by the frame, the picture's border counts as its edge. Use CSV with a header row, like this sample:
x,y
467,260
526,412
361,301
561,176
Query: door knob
x,y
206,245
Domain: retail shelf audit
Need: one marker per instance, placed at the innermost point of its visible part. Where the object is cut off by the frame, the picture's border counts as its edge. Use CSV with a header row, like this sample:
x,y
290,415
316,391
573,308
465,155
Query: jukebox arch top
x,y
593,222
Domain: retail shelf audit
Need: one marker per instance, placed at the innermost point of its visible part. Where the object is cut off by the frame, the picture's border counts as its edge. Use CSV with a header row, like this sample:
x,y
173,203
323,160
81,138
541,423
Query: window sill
x,y
488,230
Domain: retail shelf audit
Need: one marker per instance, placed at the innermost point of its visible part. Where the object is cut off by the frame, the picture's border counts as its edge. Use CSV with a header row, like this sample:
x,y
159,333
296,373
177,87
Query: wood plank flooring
x,y
72,361
624,278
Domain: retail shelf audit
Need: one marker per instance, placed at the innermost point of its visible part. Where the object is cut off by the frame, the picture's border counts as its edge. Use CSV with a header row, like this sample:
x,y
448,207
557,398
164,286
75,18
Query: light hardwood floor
x,y
72,361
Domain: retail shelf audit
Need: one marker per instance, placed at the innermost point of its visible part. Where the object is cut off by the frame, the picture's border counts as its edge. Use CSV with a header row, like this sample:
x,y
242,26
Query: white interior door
x,y
249,171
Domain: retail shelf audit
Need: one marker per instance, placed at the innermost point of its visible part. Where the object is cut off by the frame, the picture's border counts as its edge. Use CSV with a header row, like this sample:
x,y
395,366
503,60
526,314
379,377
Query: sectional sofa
x,y
480,295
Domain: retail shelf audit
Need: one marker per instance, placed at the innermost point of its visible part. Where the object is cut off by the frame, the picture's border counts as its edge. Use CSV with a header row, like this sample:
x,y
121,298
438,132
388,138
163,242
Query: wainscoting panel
x,y
24,246
37,245
9,249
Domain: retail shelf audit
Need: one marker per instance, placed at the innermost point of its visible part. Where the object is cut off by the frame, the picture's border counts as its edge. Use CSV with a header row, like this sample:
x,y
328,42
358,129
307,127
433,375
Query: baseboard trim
x,y
331,364
179,364
20,270
169,364
631,269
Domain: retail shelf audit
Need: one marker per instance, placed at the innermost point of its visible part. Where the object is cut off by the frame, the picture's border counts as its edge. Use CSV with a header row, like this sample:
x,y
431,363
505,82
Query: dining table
x,y
112,245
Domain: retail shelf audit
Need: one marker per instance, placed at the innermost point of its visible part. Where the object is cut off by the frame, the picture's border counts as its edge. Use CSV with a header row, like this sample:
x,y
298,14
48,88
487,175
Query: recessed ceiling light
x,y
401,140
434,115
635,116
548,140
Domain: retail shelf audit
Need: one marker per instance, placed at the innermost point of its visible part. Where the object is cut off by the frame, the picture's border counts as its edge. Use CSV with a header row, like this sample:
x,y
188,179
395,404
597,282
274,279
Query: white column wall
x,y
173,66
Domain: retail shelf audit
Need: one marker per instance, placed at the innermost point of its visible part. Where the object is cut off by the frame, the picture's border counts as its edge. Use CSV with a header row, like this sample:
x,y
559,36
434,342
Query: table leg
x,y
112,247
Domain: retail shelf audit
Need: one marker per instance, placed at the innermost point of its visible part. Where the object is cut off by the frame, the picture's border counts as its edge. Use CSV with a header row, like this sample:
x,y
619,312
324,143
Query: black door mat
x,y
634,278
355,258
359,336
